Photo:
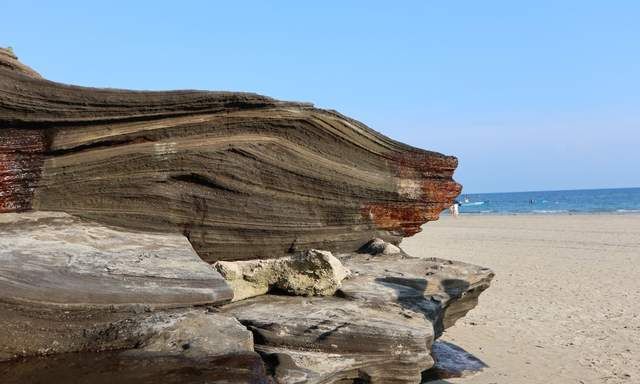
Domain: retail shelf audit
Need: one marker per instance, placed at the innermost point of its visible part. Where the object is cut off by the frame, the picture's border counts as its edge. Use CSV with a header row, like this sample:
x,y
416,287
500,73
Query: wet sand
x,y
565,304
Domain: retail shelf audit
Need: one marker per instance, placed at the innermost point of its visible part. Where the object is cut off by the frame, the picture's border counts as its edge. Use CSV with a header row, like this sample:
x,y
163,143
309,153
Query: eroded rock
x,y
380,247
237,176
330,340
52,258
312,273
195,333
243,176
71,285
440,290
379,328
126,368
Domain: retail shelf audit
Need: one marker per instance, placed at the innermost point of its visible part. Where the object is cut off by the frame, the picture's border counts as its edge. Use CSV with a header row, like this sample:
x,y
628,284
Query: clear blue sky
x,y
529,95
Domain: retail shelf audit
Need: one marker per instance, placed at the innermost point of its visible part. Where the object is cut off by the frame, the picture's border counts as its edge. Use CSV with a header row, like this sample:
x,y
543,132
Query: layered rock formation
x,y
68,285
241,175
115,204
379,328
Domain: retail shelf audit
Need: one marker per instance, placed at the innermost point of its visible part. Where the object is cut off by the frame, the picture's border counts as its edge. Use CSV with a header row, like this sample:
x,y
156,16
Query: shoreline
x,y
556,213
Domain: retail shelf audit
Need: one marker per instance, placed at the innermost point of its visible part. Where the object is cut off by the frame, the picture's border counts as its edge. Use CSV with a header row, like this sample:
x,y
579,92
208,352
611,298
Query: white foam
x,y
472,204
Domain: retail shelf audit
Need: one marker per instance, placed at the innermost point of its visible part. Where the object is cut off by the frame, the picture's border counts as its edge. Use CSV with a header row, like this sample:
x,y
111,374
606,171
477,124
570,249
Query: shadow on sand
x,y
451,361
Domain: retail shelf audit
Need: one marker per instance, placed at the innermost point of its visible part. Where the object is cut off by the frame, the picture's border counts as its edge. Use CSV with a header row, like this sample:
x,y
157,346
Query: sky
x,y
529,95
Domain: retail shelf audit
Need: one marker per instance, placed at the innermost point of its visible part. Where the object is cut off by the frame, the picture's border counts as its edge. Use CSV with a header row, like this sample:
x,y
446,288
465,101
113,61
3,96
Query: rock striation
x,y
379,327
243,176
215,237
70,285
326,340
440,291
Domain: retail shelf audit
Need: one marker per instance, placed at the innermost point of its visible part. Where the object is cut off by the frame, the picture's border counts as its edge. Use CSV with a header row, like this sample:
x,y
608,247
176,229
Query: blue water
x,y
621,200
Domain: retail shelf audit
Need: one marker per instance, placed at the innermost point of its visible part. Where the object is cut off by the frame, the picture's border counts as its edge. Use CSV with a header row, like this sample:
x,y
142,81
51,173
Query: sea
x,y
585,201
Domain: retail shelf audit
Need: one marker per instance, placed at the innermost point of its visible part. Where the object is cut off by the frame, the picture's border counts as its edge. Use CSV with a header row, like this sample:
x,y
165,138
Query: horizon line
x,y
548,190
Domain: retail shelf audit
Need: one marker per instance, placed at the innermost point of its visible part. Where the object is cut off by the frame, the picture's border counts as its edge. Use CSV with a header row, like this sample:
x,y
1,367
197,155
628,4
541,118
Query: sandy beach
x,y
565,304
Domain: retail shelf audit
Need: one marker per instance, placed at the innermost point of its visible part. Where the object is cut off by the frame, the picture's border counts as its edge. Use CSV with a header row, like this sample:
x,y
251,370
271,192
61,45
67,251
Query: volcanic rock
x,y
312,273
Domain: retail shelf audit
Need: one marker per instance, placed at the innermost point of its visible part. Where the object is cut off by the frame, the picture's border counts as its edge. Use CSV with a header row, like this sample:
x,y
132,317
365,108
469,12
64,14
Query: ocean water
x,y
619,200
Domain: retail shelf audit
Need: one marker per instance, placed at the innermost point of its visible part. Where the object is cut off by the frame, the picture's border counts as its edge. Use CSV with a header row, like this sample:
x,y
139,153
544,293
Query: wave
x,y
550,211
472,204
628,210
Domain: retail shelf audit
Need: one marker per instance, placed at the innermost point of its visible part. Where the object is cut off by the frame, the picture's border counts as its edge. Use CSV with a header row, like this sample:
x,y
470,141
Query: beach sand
x,y
564,306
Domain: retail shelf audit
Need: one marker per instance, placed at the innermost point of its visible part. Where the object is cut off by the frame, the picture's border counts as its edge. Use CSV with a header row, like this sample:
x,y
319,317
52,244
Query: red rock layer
x,y
21,157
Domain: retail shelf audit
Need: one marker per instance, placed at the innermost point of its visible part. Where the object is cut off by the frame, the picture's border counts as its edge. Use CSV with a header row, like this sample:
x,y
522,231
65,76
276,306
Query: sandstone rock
x,y
243,176
240,177
440,290
125,368
52,258
331,340
9,61
71,285
379,328
26,332
195,333
312,273
379,246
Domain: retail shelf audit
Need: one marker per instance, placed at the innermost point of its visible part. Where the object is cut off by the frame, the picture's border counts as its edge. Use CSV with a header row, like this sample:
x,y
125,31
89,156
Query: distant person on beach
x,y
454,209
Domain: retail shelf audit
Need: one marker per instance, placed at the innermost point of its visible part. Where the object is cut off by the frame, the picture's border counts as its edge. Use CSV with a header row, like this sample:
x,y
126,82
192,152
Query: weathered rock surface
x,y
249,182
378,329
330,340
243,176
379,246
126,368
52,258
69,285
312,273
442,291
194,333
